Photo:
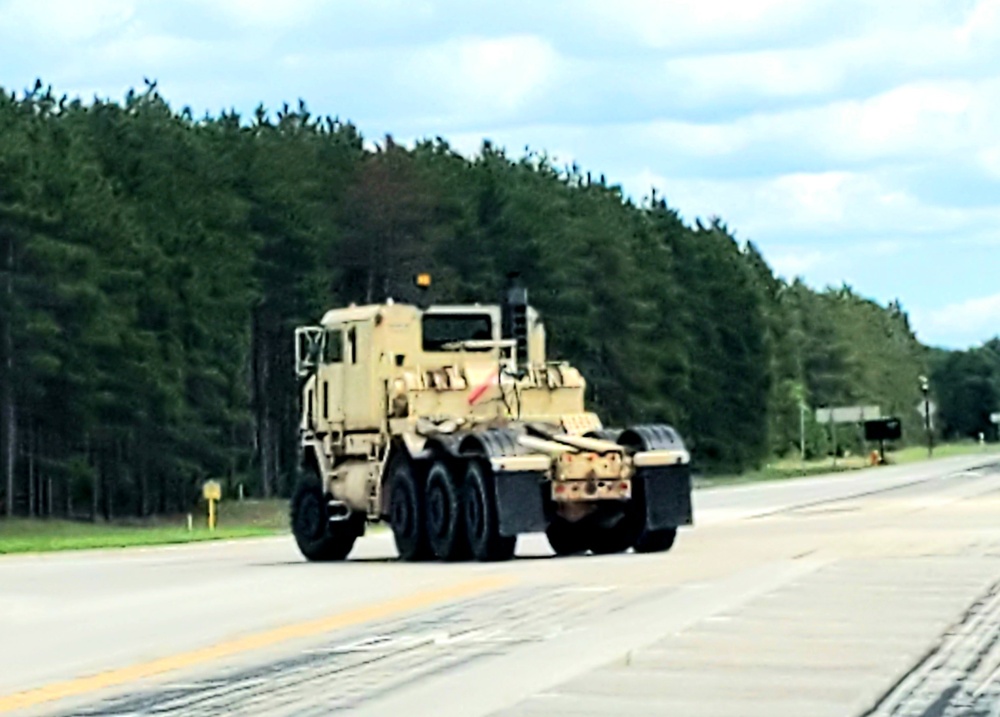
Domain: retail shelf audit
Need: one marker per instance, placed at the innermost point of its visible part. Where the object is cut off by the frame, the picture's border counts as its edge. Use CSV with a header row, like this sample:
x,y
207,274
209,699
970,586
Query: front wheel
x,y
482,519
318,538
407,512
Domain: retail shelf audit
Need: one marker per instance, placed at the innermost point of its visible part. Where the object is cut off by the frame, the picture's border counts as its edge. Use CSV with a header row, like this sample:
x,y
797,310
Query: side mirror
x,y
307,349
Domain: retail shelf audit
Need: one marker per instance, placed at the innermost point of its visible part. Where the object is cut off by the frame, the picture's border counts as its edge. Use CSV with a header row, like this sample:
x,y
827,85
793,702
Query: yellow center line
x,y
249,643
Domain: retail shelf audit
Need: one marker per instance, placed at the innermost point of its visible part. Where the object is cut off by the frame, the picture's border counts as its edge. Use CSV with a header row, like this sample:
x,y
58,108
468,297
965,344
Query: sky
x,y
852,141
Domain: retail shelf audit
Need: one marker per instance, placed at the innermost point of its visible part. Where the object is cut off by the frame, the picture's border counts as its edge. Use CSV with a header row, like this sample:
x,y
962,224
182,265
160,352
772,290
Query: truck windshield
x,y
439,330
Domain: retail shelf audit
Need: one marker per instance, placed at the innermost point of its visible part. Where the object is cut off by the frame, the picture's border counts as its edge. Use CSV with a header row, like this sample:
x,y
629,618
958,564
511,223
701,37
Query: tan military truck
x,y
449,424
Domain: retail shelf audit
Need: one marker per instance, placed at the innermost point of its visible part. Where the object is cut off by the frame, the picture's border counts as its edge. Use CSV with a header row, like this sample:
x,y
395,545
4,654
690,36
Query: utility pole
x,y
925,388
8,414
799,395
802,430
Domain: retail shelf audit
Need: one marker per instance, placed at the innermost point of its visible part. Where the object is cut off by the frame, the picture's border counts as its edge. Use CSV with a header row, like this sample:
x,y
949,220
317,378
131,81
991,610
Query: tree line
x,y
153,266
967,391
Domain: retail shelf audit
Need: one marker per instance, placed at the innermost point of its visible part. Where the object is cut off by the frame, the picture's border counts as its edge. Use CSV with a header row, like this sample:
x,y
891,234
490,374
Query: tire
x,y
407,512
567,538
615,538
445,521
656,541
318,539
646,540
649,438
482,520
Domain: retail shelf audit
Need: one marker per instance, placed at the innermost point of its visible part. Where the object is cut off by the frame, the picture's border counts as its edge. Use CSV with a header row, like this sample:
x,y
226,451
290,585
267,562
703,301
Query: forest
x,y
153,266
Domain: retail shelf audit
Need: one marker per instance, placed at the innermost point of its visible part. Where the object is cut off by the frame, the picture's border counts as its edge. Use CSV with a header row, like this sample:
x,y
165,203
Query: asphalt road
x,y
872,593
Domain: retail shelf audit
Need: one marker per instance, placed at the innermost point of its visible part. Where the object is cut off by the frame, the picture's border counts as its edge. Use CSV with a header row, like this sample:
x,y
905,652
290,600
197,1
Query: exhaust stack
x,y
514,316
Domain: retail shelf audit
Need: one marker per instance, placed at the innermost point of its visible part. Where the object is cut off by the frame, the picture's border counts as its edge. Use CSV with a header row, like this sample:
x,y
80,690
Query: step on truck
x,y
448,424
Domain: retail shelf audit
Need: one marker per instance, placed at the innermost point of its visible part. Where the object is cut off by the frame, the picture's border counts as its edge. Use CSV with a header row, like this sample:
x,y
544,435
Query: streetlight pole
x,y
799,396
802,430
925,388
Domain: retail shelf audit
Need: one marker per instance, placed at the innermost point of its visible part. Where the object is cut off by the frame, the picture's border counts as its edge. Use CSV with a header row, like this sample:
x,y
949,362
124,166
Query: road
x,y
875,593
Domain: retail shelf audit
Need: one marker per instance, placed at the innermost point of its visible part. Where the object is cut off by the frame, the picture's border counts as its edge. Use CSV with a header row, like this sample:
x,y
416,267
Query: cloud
x,y
64,20
266,14
965,321
982,24
145,50
912,125
811,207
690,24
913,121
989,158
793,263
481,77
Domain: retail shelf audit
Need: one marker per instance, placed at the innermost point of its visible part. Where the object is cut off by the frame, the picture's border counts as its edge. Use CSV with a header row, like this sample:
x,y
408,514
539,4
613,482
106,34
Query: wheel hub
x,y
311,517
437,513
402,516
476,521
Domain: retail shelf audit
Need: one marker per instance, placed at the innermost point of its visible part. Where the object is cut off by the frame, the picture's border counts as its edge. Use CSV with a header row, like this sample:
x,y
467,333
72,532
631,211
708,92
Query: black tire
x,y
567,538
318,539
445,521
656,541
617,537
649,438
482,521
407,511
646,540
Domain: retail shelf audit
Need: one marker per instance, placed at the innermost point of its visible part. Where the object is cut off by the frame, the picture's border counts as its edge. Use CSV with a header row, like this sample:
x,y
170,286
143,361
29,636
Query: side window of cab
x,y
333,346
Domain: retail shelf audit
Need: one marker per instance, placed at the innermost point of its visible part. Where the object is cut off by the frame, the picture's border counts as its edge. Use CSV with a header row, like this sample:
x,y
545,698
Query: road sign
x,y
883,429
848,414
212,490
924,406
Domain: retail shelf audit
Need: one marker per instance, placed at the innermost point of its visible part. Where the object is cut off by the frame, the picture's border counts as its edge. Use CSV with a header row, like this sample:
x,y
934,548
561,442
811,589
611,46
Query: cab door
x,y
363,408
330,382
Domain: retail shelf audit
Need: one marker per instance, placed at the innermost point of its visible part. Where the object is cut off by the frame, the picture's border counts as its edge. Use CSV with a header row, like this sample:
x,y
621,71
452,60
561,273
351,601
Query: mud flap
x,y
667,492
519,502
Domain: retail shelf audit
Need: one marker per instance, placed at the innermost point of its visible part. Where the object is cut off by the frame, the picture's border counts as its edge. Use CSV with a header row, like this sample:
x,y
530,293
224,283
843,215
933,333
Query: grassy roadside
x,y
247,519
793,468
39,536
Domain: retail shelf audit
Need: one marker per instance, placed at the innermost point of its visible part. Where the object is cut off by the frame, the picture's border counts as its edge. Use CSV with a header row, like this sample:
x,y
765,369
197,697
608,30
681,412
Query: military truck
x,y
449,424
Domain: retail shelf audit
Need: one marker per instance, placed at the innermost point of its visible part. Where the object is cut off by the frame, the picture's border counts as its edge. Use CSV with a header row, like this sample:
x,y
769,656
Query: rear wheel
x,y
445,522
643,539
567,538
649,438
482,520
656,541
318,538
407,512
616,537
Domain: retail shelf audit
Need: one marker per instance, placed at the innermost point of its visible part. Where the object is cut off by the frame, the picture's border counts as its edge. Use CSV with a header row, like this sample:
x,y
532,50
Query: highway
x,y
874,593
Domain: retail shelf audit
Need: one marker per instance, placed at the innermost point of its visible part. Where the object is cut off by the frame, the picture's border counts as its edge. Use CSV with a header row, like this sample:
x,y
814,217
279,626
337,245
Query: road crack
x,y
959,676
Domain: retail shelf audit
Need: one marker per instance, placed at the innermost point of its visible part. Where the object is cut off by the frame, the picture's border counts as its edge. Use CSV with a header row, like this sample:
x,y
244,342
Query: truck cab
x,y
408,409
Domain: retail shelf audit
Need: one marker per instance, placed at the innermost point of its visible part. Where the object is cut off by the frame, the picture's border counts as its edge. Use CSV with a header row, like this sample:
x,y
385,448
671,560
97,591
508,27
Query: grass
x,y
247,519
948,450
787,468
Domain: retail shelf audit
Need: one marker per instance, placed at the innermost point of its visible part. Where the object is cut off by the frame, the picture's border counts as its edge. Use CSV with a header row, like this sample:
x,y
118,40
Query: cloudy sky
x,y
854,141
